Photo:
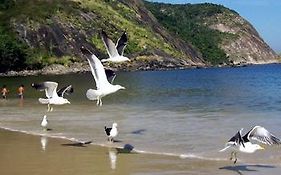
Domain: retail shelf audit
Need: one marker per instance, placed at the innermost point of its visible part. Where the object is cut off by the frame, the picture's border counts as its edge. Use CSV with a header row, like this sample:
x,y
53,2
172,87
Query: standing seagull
x,y
115,52
103,86
52,94
243,144
111,132
44,122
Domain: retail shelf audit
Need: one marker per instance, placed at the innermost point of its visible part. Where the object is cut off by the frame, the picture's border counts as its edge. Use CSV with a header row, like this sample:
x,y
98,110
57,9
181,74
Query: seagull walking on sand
x,y
53,97
244,144
115,52
111,132
44,122
103,86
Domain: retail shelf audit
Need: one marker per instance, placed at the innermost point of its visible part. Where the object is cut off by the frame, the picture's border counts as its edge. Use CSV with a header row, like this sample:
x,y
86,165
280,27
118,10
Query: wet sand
x,y
27,155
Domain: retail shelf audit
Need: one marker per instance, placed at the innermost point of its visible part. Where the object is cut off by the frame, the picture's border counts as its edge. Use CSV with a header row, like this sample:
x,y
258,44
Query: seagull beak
x,y
262,148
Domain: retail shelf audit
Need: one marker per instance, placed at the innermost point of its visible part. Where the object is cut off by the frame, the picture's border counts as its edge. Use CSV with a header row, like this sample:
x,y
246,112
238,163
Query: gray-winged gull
x,y
244,144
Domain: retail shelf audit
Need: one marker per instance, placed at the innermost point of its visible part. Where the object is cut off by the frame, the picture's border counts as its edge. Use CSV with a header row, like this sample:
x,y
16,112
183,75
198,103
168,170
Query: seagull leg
x,y
100,102
51,109
231,155
48,109
235,155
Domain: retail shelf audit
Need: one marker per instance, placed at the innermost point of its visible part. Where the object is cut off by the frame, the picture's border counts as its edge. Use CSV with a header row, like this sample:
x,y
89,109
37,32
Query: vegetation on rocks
x,y
187,22
38,33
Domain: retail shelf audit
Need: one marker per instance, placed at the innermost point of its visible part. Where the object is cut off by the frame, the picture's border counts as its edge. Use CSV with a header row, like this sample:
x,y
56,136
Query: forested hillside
x,y
38,33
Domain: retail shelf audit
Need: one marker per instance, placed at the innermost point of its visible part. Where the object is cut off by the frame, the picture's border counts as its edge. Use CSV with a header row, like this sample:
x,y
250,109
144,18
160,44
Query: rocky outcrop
x,y
221,34
246,46
59,28
63,34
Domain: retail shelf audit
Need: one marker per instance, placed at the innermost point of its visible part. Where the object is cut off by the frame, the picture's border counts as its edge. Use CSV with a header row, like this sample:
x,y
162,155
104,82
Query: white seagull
x,y
53,97
44,122
244,144
103,86
115,52
111,132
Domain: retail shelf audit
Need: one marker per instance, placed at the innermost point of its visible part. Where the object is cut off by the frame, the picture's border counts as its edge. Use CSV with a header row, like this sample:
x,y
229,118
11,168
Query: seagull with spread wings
x,y
54,97
103,86
244,144
115,52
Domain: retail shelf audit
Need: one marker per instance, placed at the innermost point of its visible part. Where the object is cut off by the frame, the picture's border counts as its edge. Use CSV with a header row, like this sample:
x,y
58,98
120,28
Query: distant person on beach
x,y
4,92
21,91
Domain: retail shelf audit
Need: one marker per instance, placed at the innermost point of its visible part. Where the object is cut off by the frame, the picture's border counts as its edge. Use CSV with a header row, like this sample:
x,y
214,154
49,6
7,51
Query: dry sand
x,y
22,154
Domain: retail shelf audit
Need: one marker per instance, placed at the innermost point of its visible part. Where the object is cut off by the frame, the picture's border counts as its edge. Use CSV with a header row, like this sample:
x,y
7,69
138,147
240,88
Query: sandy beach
x,y
27,154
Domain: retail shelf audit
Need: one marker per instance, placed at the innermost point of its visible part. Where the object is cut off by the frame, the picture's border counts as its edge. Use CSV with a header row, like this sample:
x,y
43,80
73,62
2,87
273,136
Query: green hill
x,y
221,34
38,33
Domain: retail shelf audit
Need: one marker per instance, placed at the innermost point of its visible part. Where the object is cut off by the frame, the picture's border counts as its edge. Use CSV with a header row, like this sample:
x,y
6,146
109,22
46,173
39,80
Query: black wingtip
x,y
103,33
85,50
36,86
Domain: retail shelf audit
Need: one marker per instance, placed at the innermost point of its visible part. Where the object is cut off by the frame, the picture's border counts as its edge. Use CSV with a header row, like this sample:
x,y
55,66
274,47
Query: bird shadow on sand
x,y
240,169
77,144
117,141
138,132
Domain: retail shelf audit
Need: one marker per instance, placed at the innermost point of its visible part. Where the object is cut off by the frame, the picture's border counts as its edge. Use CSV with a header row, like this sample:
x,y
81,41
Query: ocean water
x,y
188,113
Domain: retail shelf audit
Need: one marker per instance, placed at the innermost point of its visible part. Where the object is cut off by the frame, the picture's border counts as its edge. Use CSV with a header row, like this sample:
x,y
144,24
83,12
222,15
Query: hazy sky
x,y
264,15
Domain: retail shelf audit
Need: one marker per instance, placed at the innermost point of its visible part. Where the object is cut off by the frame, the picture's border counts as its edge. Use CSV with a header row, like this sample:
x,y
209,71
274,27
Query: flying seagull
x,y
110,74
103,86
111,132
53,97
115,52
44,122
244,144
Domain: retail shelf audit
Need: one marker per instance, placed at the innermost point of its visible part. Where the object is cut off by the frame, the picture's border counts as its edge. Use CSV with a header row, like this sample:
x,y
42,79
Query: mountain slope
x,y
218,32
38,33
56,29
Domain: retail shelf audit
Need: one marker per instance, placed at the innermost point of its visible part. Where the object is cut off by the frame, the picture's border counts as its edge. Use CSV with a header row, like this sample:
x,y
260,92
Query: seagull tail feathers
x,y
43,101
92,94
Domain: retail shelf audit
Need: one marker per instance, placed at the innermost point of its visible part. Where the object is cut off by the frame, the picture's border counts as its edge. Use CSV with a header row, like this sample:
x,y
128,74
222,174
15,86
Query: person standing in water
x,y
21,91
4,92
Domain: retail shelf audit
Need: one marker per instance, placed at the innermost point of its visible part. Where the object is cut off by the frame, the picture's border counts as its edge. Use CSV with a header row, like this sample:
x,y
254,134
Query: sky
x,y
264,15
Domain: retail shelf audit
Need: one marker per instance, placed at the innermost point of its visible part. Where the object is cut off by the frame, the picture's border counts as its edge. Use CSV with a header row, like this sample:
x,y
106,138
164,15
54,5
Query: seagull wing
x,y
236,139
110,46
262,135
65,90
49,87
122,43
110,74
98,72
107,130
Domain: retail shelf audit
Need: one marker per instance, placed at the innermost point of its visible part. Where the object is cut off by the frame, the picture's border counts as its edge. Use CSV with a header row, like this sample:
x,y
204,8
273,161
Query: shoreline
x,y
57,69
124,148
32,154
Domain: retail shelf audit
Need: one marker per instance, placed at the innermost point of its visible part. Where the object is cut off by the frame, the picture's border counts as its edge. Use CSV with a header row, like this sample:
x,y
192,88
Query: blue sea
x,y
188,113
